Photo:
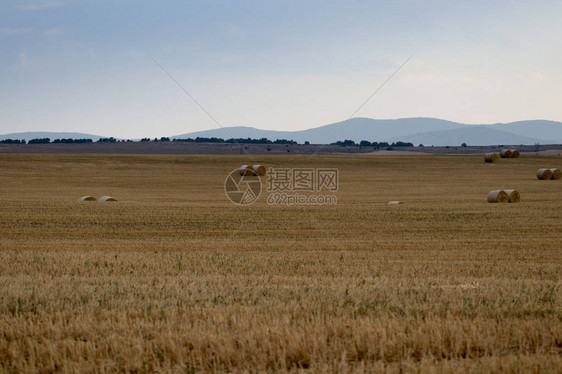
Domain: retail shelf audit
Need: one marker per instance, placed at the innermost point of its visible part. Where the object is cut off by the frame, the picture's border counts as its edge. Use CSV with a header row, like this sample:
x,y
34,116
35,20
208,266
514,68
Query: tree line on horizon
x,y
366,143
60,141
344,143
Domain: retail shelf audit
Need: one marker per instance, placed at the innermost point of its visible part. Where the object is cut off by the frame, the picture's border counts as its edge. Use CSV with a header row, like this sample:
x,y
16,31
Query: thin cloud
x,y
52,32
42,6
231,30
13,31
23,61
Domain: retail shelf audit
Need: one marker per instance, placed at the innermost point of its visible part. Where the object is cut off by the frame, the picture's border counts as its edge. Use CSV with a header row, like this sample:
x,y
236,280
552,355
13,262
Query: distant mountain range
x,y
426,131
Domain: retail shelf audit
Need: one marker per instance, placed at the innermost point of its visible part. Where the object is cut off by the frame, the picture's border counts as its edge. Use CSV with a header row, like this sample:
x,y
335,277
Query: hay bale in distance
x,y
395,202
515,153
259,170
107,198
544,174
498,196
88,198
513,196
490,157
505,153
556,173
246,170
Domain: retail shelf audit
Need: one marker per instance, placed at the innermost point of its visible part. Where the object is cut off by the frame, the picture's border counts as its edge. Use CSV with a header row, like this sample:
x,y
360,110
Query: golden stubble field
x,y
175,278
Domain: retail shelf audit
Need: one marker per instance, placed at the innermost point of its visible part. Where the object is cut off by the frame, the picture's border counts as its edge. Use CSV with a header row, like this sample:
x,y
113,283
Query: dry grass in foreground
x,y
175,278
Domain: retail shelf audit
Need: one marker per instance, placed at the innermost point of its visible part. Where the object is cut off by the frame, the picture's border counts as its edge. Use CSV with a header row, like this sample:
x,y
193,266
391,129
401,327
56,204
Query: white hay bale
x,y
490,157
505,153
498,196
395,202
246,170
513,196
88,198
544,174
107,198
556,173
259,170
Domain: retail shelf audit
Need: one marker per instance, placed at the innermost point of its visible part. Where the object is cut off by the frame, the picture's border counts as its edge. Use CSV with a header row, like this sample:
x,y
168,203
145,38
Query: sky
x,y
89,65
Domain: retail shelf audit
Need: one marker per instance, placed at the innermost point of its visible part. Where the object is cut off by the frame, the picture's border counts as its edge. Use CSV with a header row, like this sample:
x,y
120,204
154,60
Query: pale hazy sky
x,y
287,65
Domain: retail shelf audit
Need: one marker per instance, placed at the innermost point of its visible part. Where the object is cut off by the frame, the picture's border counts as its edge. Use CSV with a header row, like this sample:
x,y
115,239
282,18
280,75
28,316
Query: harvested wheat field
x,y
173,277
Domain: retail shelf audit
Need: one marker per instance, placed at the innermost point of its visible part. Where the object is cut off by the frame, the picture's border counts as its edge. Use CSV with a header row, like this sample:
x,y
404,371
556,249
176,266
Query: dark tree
x,y
345,143
39,141
12,141
107,140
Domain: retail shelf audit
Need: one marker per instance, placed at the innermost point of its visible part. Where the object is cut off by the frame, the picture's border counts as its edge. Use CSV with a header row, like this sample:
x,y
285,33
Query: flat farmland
x,y
173,277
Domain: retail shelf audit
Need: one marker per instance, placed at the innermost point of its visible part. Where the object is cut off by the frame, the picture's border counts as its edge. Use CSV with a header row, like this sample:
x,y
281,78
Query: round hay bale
x,y
498,196
556,173
259,169
544,174
513,195
395,202
490,157
505,153
515,153
107,198
88,198
246,170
